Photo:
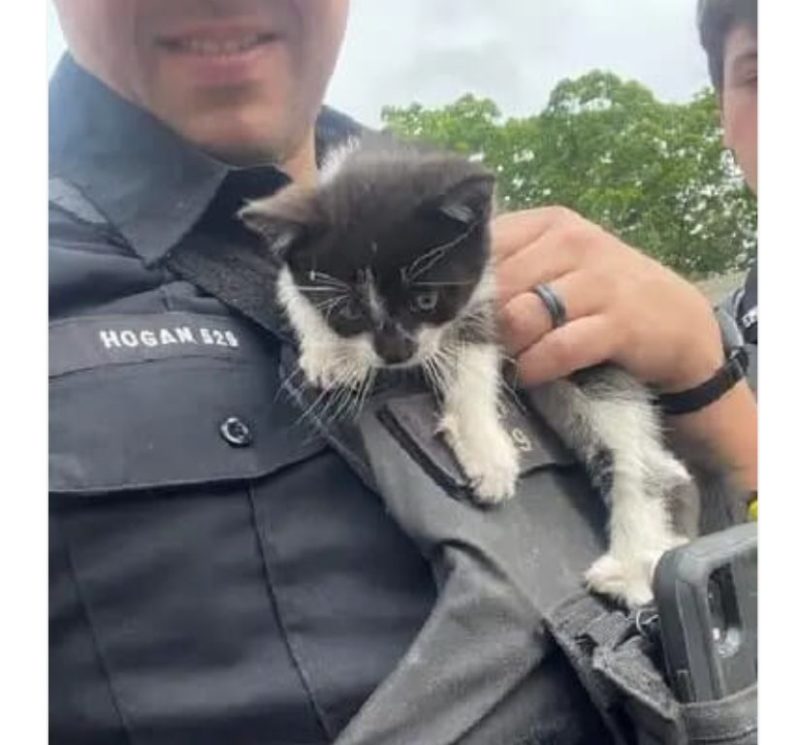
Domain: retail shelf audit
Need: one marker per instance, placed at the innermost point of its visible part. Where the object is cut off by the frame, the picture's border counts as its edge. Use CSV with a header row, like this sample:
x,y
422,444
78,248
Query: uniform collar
x,y
148,182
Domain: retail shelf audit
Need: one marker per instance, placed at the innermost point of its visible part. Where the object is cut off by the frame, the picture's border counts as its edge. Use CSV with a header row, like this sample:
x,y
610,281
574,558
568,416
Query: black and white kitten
x,y
386,264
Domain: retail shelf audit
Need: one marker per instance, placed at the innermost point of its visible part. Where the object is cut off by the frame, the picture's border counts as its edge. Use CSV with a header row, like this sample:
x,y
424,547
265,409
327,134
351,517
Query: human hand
x,y
622,306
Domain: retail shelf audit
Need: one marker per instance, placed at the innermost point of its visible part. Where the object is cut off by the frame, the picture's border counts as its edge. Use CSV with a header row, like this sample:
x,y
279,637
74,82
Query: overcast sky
x,y
513,51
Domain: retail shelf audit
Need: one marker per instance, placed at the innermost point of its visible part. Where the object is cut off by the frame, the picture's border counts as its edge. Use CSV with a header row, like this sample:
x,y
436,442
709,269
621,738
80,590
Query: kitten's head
x,y
389,254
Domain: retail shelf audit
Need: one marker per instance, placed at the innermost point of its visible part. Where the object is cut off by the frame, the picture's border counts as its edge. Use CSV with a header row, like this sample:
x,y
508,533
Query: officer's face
x,y
241,78
740,100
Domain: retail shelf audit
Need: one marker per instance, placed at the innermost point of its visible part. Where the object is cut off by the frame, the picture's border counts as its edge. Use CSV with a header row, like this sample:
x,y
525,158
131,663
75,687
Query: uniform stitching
x,y
304,681
92,632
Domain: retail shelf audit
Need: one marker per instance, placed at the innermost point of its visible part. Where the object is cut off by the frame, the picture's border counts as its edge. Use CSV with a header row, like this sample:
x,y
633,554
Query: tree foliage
x,y
654,173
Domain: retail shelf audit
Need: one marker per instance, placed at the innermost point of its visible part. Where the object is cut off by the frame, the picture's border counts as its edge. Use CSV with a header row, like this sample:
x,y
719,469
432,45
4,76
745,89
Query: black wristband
x,y
687,402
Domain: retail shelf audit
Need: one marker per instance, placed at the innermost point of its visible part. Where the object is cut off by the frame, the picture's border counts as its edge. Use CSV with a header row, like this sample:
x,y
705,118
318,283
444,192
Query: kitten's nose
x,y
394,346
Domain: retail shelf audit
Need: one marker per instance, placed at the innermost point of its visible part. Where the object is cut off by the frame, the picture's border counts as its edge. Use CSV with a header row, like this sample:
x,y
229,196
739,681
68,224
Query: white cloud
x,y
513,51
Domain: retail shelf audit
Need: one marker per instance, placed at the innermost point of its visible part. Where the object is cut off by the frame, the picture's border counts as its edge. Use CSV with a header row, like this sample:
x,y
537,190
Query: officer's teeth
x,y
208,47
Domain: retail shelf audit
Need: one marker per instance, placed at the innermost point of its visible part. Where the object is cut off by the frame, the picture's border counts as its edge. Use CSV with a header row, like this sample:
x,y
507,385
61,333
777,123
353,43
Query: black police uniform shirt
x,y
747,307
741,308
746,314
217,573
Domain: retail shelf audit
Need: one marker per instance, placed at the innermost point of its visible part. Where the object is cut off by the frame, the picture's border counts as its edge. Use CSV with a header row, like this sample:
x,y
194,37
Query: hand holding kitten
x,y
623,306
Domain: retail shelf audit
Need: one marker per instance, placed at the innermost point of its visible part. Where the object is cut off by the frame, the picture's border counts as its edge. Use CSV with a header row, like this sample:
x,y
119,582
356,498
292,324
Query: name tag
x,y
164,336
85,343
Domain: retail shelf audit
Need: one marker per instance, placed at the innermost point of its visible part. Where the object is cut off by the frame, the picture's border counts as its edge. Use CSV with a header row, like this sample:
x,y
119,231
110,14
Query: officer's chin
x,y
241,141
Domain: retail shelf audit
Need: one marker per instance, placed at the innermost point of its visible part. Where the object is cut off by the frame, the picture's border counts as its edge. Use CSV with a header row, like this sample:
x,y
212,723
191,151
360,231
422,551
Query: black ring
x,y
553,303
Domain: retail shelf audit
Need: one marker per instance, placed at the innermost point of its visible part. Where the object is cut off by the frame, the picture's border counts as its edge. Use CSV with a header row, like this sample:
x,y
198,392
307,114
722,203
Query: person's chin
x,y
240,140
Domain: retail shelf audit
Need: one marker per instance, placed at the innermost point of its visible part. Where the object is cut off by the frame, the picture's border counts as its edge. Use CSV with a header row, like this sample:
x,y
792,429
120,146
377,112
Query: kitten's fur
x,y
387,264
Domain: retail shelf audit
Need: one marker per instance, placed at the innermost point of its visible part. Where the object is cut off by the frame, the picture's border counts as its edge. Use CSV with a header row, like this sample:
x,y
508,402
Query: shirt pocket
x,y
159,425
169,400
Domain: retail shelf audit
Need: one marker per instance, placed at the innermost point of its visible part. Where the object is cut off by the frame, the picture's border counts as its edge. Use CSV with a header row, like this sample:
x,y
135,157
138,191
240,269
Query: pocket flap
x,y
161,418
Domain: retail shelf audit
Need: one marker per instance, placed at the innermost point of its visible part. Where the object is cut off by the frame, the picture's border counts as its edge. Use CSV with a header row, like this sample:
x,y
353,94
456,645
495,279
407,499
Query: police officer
x,y
218,572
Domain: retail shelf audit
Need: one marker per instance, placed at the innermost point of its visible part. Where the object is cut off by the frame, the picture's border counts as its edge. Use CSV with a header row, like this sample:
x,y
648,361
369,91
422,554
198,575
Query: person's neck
x,y
301,167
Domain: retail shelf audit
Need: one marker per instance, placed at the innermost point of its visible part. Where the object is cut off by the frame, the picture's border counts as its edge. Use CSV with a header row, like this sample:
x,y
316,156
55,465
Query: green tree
x,y
653,173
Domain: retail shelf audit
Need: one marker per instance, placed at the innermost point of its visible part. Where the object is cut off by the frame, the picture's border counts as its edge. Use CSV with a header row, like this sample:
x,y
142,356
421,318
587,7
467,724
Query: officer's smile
x,y
220,53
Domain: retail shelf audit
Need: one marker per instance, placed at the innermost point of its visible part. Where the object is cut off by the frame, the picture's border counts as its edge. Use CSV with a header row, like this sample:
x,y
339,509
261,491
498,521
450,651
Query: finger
x,y
513,231
525,319
545,260
580,344
522,322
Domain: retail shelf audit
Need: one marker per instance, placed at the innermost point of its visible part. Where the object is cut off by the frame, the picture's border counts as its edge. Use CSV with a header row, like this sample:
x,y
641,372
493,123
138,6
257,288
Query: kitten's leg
x,y
607,418
472,424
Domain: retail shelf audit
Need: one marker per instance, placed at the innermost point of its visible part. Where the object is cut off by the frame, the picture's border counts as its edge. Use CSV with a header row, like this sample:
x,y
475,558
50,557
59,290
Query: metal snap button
x,y
236,433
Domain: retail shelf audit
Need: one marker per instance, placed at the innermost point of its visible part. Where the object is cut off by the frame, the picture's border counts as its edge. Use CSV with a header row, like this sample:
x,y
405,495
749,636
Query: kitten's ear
x,y
469,200
282,220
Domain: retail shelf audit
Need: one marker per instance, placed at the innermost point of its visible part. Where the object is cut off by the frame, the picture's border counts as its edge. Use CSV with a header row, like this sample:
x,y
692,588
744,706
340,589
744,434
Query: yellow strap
x,y
752,510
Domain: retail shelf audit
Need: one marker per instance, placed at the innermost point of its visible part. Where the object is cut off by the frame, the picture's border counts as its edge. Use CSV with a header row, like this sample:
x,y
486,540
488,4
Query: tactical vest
x,y
509,580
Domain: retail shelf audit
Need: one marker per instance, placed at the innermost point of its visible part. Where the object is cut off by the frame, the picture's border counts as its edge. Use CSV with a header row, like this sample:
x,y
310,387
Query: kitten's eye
x,y
351,311
425,302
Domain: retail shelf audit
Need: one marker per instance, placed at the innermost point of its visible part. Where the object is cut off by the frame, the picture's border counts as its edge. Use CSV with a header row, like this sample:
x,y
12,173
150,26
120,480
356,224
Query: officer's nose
x,y
394,346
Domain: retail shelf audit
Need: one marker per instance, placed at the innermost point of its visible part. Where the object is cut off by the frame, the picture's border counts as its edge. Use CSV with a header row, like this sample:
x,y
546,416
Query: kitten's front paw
x,y
628,579
322,371
489,459
626,582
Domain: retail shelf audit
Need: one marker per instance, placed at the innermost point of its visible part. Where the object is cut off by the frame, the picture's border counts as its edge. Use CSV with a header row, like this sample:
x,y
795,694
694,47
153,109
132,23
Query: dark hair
x,y
716,19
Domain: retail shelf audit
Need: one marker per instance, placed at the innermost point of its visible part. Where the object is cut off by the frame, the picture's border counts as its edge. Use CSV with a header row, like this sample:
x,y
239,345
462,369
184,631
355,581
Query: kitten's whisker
x,y
319,405
289,380
423,264
328,279
432,374
336,298
344,401
331,306
318,288
310,412
359,398
328,302
330,398
332,412
512,392
368,386
354,385
417,283
339,396
438,368
432,257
